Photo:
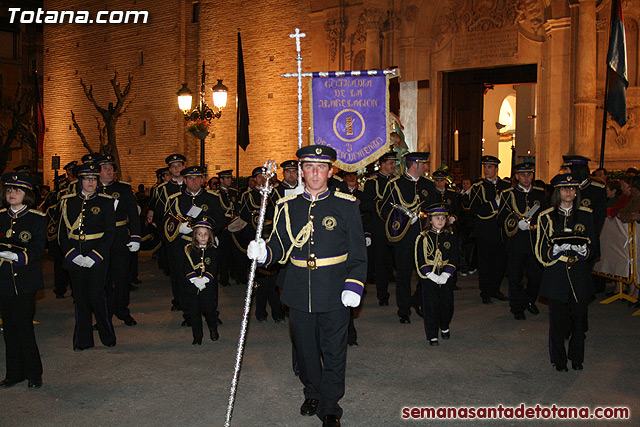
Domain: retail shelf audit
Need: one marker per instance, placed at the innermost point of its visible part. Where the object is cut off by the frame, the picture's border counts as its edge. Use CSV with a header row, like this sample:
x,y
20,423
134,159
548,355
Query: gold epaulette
x,y
37,212
538,188
124,182
67,196
3,210
337,178
508,189
586,209
345,196
479,183
597,183
394,179
285,199
173,196
546,211
214,192
106,196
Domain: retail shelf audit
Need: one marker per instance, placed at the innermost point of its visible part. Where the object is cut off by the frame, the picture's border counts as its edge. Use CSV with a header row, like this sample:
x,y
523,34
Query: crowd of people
x,y
322,242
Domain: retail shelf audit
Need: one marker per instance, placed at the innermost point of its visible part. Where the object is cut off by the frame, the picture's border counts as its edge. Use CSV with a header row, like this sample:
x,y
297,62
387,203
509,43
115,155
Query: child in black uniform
x,y
436,255
200,267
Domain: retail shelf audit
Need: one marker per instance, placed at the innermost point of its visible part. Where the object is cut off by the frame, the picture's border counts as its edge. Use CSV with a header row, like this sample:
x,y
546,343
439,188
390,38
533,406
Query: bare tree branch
x,y
89,93
80,134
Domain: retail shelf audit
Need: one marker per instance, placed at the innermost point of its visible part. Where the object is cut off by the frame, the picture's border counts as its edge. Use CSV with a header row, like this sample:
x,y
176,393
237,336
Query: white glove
x,y
433,277
184,228
217,242
560,248
205,279
88,262
257,250
498,201
442,278
350,298
579,249
193,280
11,256
367,241
200,282
133,246
414,218
523,225
78,260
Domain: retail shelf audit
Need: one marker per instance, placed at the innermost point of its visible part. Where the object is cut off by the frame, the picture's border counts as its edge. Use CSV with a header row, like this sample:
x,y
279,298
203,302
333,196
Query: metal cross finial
x,y
297,35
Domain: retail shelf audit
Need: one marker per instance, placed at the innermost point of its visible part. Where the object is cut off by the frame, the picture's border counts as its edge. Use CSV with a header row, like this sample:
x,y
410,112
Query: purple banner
x,y
350,114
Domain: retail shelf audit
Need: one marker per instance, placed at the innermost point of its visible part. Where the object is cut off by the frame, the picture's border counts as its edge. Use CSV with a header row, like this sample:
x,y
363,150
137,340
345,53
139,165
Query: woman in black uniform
x,y
23,232
565,234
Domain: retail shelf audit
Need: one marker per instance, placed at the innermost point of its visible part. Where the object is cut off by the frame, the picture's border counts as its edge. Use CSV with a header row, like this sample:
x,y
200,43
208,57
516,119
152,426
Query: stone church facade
x,y
560,45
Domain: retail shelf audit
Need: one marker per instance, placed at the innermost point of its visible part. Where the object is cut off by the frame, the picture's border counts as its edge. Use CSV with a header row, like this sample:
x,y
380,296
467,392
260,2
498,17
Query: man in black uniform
x,y
126,239
289,180
402,201
165,190
372,197
518,221
485,202
86,232
231,258
320,232
191,204
444,194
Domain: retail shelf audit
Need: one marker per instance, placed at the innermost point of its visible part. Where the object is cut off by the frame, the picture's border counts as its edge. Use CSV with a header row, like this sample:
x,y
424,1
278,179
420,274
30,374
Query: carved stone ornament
x,y
373,18
333,30
622,133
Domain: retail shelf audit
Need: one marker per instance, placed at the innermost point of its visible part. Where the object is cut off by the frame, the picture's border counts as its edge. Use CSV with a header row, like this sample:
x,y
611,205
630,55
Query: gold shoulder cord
x,y
403,202
543,231
303,234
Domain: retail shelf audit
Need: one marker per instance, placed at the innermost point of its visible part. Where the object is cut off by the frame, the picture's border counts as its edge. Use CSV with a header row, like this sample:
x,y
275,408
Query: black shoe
x,y
445,335
129,321
175,307
577,366
219,321
113,344
561,368
353,344
434,342
279,320
487,300
500,296
384,302
186,323
519,316
262,320
405,319
95,327
309,407
80,348
330,421
59,296
197,341
418,310
6,383
533,308
35,383
214,335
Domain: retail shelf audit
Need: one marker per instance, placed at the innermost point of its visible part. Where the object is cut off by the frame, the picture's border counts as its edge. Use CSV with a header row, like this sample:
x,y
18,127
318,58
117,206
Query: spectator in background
x,y
141,195
600,174
613,192
631,211
214,183
632,171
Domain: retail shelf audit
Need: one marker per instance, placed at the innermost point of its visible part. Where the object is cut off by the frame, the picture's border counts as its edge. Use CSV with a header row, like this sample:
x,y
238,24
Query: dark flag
x,y
617,67
242,121
39,118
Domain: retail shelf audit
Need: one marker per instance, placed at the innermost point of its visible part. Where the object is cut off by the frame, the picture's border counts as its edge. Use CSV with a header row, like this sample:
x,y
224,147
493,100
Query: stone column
x,y
585,80
373,19
555,100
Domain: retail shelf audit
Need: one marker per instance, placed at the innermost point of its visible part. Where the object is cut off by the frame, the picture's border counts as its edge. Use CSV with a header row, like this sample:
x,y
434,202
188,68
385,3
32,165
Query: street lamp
x,y
202,111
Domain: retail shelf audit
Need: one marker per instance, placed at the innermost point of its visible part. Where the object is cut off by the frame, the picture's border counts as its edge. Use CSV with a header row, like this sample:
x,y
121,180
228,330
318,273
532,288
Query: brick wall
x,y
173,48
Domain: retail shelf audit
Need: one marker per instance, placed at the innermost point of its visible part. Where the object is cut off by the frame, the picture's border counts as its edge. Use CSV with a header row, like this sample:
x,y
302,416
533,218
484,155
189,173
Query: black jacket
x,y
27,228
515,204
436,252
325,233
127,218
200,262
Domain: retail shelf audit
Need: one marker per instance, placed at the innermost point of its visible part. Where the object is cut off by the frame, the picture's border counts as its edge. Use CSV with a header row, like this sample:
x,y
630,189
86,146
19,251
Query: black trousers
x,y
567,319
232,260
437,304
519,263
405,266
383,259
204,303
88,292
60,275
22,354
492,259
133,266
268,292
320,340
117,285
